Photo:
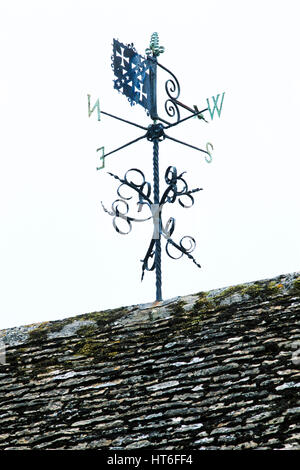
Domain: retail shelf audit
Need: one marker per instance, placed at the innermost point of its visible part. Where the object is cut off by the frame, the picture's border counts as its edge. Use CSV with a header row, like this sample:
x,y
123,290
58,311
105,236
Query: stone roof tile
x,y
213,370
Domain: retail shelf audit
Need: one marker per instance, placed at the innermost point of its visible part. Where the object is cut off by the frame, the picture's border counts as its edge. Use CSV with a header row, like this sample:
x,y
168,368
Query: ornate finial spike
x,y
154,47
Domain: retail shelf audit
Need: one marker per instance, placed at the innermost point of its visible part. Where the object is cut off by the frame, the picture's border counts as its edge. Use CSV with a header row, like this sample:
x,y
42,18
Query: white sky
x,y
59,253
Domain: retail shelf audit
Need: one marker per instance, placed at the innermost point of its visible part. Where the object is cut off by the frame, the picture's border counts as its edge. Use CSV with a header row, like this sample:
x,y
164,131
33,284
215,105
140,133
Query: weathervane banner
x,y
132,73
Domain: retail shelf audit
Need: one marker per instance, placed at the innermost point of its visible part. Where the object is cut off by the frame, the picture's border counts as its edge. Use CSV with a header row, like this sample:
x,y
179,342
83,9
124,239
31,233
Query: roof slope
x,y
209,371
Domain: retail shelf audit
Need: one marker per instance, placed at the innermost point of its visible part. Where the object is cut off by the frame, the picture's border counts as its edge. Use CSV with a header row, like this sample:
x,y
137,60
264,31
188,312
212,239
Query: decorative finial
x,y
154,47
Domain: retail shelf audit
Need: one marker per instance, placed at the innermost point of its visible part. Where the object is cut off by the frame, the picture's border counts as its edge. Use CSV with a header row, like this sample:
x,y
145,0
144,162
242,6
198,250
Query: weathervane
x,y
136,78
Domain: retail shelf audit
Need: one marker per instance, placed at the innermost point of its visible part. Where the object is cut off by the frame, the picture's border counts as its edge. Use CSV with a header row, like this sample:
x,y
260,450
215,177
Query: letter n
x,y
96,105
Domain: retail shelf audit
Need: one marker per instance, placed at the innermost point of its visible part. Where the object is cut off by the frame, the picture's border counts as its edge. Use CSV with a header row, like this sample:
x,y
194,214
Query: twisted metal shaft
x,y
157,231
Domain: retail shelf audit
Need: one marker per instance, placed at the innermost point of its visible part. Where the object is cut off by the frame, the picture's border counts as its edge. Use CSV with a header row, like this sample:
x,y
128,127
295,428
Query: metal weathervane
x,y
136,78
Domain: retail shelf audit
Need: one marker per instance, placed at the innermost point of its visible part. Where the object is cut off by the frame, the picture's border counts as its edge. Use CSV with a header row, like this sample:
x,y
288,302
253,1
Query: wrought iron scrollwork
x,y
174,181
182,249
172,88
143,198
172,109
177,189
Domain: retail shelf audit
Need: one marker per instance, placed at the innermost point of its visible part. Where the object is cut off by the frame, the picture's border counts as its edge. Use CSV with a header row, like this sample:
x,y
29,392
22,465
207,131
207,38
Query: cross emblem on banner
x,y
141,93
122,57
132,74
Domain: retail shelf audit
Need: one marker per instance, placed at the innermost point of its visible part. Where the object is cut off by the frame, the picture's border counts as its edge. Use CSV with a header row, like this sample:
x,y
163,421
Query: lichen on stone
x,y
296,286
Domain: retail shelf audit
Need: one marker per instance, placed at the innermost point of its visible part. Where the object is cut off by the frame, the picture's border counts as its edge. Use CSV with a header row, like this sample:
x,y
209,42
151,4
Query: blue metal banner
x,y
132,73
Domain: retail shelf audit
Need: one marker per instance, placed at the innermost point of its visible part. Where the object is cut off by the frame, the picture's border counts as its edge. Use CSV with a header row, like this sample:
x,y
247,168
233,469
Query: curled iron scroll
x,y
120,208
149,255
182,249
172,109
169,228
174,191
139,172
120,215
172,88
187,206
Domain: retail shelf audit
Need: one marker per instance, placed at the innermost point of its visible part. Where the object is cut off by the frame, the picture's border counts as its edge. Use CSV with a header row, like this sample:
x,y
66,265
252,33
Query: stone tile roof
x,y
214,370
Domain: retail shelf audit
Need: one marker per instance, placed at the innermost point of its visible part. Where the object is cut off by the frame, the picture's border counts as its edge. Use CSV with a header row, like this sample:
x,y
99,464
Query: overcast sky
x,y
59,253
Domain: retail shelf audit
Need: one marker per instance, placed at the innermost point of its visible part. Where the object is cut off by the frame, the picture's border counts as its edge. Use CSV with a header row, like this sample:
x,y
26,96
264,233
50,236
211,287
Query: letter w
x,y
96,105
215,100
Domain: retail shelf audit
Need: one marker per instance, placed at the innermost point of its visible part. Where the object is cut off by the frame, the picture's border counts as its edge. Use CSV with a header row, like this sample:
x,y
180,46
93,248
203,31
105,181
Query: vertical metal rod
x,y
157,261
157,231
